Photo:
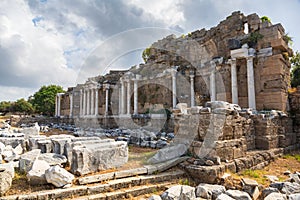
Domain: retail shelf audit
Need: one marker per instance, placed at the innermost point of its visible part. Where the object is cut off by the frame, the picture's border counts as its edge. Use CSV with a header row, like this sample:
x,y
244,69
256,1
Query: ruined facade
x,y
243,60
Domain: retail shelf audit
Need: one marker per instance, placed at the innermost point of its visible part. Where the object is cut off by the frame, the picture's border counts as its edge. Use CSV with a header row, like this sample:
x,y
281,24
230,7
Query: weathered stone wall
x,y
230,134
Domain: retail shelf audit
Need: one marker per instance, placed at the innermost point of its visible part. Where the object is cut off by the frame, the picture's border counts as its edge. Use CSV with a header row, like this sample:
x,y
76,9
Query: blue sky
x,y
48,41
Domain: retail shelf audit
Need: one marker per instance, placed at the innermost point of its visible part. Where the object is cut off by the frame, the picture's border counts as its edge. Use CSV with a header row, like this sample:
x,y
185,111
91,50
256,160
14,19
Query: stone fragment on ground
x,y
224,197
5,181
58,176
53,158
276,196
240,195
36,176
168,153
9,167
179,192
209,191
251,187
154,197
27,159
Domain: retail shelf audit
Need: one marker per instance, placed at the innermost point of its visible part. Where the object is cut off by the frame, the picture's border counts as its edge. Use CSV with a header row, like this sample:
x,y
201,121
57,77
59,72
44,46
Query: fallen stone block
x,y
294,196
46,146
224,197
98,156
33,141
276,195
58,176
53,158
168,153
79,141
27,160
14,142
236,194
9,167
2,147
5,181
179,192
154,197
209,191
29,131
36,176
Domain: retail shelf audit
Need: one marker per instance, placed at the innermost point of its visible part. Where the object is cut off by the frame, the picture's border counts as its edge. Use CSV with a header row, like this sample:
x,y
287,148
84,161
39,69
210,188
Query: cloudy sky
x,y
46,42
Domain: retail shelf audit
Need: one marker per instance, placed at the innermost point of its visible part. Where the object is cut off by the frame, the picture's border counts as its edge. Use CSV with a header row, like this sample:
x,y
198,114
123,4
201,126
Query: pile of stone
x,y
137,137
43,158
247,189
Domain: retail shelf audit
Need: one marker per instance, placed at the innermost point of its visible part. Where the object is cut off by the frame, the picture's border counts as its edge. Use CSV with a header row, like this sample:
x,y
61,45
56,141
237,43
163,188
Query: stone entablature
x,y
225,63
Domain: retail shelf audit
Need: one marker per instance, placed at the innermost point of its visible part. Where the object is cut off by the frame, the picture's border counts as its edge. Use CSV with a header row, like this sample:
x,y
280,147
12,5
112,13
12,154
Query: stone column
x,y
80,103
250,80
88,109
56,105
96,101
84,103
120,100
213,82
92,111
71,105
234,86
122,97
128,97
59,107
174,93
192,89
135,90
106,98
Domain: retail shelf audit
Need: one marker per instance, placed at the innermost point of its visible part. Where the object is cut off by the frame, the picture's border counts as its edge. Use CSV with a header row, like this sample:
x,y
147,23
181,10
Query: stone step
x,y
118,185
129,192
147,169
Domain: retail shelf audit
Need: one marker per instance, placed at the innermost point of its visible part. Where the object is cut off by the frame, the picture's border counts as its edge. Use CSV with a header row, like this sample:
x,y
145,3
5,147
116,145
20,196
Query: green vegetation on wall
x,y
265,18
295,73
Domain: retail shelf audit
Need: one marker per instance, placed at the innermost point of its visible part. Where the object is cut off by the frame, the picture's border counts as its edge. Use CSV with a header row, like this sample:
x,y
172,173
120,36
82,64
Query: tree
x,y
22,106
44,99
5,106
295,74
146,54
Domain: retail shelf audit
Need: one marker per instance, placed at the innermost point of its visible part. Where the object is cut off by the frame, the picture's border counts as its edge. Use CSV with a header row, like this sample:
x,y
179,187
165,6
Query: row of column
x,y
126,110
89,98
58,104
250,82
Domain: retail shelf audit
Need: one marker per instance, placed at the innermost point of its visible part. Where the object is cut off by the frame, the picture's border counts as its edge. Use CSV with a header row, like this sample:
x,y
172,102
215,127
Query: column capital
x,y
106,86
173,72
249,58
231,61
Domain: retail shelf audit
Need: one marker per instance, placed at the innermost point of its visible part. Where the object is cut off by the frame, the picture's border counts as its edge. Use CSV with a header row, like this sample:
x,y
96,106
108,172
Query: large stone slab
x,y
53,158
79,141
58,176
36,176
27,160
168,153
87,158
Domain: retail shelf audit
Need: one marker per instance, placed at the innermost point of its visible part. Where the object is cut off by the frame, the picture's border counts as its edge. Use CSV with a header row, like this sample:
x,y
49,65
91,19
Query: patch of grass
x,y
251,173
292,156
184,182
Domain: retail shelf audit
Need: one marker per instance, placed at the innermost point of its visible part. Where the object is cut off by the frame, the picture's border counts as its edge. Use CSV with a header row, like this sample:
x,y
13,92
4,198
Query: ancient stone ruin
x,y
219,96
